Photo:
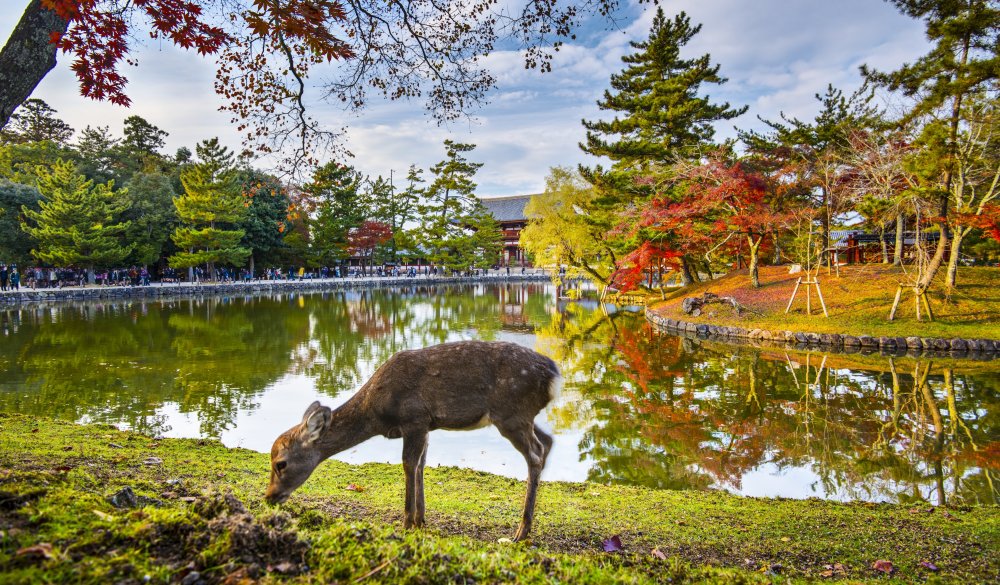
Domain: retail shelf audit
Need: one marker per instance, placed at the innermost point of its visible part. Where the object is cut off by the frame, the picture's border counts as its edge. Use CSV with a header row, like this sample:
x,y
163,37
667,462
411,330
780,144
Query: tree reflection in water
x,y
665,411
649,408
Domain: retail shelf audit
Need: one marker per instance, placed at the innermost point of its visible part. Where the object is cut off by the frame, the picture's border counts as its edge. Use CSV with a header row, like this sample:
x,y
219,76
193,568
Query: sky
x,y
777,55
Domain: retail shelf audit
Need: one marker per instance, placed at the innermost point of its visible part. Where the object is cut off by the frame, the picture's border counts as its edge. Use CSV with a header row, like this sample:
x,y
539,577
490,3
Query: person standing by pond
x,y
15,278
3,277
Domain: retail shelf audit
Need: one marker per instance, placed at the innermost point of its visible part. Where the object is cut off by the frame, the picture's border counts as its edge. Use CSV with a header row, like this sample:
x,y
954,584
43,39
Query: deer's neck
x,y
350,425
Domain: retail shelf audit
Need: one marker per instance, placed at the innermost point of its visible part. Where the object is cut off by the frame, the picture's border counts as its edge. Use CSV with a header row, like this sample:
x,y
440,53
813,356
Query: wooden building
x,y
509,212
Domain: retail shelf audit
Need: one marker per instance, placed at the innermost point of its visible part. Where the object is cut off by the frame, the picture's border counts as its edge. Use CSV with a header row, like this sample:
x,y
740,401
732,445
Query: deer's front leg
x,y
414,449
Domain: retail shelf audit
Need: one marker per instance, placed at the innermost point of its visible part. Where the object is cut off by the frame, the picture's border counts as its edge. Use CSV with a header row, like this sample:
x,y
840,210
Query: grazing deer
x,y
458,386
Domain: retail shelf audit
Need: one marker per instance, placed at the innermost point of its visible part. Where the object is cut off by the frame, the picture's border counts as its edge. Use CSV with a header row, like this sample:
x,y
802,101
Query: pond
x,y
639,407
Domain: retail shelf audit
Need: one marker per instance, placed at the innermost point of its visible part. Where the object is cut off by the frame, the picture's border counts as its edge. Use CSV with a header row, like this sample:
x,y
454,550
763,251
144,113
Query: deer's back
x,y
460,385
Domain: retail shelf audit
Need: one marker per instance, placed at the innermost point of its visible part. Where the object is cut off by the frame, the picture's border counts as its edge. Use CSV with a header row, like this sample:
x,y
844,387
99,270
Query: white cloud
x,y
776,53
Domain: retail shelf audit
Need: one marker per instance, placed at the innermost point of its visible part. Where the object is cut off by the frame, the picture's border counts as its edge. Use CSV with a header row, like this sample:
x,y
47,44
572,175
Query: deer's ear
x,y
312,408
316,420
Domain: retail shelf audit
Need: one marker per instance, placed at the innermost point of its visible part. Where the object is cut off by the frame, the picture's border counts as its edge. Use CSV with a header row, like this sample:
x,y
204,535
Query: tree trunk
x,y
824,237
686,272
754,248
897,253
251,267
885,245
777,249
935,264
953,260
28,56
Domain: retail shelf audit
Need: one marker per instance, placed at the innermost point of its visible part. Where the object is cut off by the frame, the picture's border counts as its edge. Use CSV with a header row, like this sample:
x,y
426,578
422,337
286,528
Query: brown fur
x,y
456,386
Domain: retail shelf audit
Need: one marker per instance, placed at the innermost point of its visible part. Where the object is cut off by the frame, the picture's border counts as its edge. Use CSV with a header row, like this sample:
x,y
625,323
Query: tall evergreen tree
x,y
15,243
266,222
152,214
78,221
209,208
335,191
395,208
456,230
661,114
99,153
964,60
141,137
35,121
815,147
660,118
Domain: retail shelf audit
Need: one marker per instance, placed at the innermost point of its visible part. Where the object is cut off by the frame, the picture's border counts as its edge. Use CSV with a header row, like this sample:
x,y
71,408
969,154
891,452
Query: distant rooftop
x,y
506,208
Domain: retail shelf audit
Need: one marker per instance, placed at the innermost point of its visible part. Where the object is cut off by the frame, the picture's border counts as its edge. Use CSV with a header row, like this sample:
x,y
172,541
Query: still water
x,y
639,407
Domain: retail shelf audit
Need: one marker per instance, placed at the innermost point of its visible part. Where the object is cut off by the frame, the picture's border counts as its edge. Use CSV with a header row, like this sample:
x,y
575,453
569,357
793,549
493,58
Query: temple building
x,y
509,212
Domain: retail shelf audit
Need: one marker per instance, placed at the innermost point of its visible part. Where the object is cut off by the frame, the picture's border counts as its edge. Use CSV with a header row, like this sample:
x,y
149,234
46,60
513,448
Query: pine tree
x,y
339,207
78,222
964,60
662,115
266,223
35,121
456,232
212,203
395,208
815,148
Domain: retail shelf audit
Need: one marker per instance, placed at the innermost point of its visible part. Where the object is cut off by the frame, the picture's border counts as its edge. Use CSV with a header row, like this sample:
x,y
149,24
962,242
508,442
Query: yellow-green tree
x,y
77,223
212,203
560,231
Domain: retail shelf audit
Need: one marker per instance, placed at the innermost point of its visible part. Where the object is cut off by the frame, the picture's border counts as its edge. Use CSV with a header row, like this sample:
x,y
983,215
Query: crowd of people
x,y
41,277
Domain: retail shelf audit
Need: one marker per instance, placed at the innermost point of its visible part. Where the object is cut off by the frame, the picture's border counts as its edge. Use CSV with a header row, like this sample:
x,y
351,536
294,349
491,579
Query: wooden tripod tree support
x,y
809,282
919,297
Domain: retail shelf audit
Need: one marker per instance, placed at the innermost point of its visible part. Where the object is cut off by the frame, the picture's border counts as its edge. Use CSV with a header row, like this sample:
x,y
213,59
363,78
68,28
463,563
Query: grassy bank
x,y
858,302
199,510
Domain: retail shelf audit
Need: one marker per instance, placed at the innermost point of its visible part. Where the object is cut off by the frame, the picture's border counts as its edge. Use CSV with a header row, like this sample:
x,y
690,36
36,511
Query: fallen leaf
x,y
613,544
659,554
354,487
827,574
681,523
68,448
152,461
950,516
41,550
239,577
785,539
103,515
189,499
34,430
504,540
115,446
884,566
929,566
63,468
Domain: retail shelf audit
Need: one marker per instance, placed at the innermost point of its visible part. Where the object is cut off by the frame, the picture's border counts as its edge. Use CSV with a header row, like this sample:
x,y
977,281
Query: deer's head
x,y
295,454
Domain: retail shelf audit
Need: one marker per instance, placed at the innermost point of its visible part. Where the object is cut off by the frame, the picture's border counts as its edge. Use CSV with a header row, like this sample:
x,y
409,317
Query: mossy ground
x,y
205,515
858,302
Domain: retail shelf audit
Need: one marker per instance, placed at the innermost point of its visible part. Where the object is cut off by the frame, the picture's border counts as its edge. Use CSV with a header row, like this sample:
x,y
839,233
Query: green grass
x,y
57,477
858,302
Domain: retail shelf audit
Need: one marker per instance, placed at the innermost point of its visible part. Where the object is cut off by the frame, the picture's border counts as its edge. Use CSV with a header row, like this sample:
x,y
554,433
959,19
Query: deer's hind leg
x,y
414,455
534,448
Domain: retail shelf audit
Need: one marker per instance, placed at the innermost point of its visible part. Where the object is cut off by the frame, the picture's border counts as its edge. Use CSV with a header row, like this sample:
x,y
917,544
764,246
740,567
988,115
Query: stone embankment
x,y
171,290
983,349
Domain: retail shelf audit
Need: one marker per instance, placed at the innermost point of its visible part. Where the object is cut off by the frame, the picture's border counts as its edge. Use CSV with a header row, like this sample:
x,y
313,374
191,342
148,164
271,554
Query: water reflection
x,y
639,407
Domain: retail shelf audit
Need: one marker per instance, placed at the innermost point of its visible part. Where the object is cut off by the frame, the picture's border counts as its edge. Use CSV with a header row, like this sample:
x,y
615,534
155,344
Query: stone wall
x,y
156,291
985,349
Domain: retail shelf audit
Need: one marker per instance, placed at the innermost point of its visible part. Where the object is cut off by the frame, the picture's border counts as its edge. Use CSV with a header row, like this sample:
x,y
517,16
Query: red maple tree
x,y
362,240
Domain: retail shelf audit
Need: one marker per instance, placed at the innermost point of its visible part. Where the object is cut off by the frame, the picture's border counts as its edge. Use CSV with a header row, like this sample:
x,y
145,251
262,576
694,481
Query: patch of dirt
x,y
248,546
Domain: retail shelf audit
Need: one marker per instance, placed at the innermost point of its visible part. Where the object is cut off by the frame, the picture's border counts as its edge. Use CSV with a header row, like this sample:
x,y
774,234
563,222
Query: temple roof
x,y
506,208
